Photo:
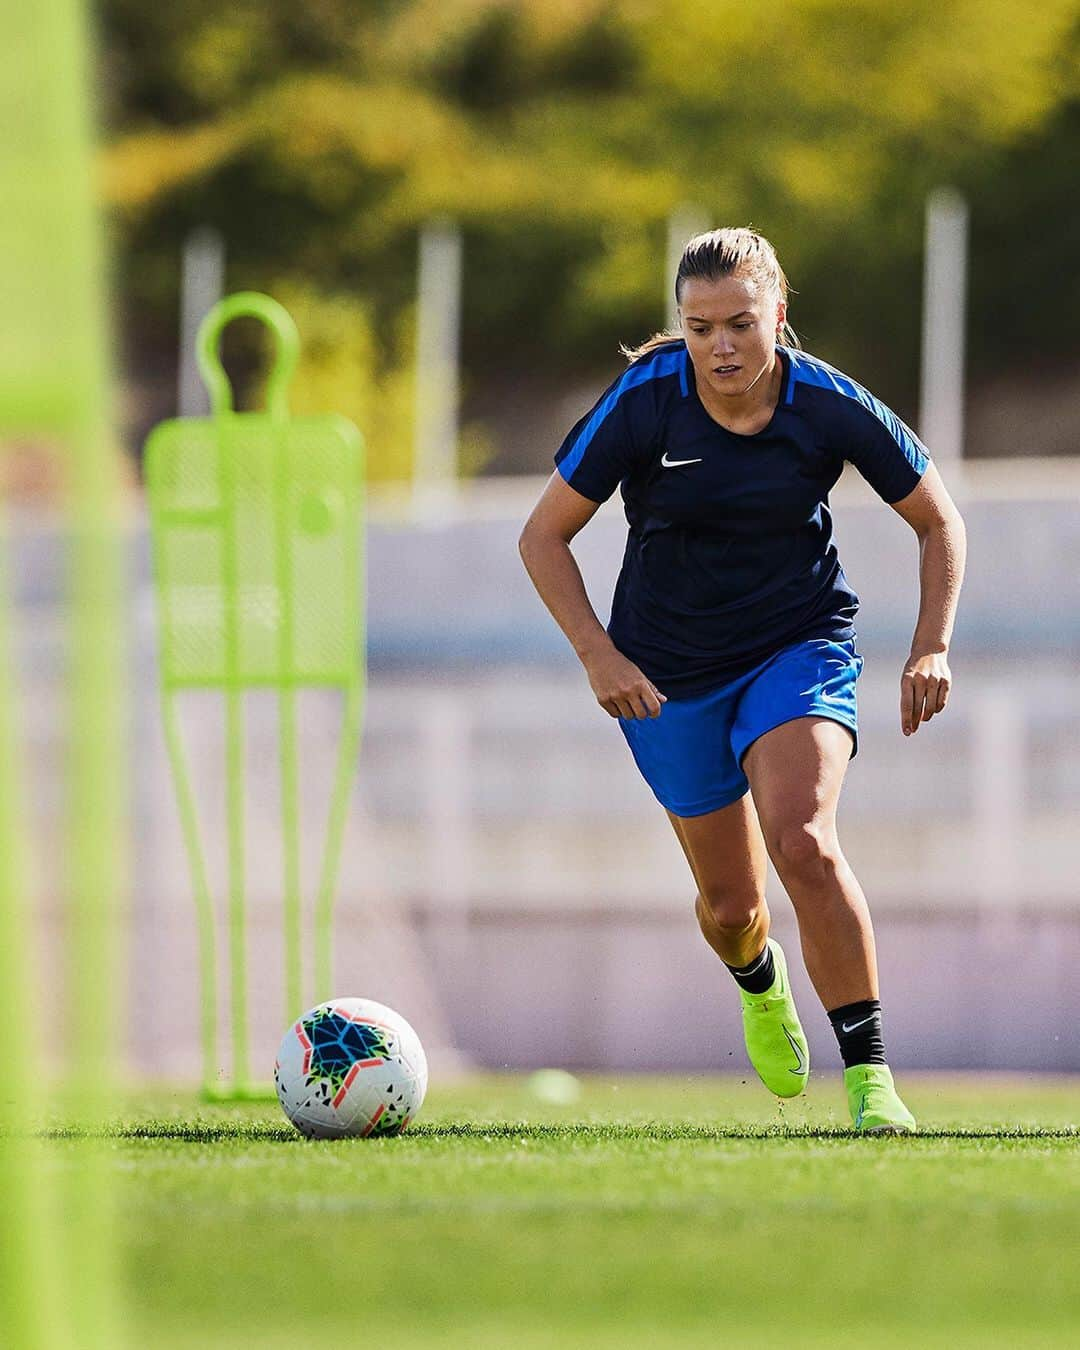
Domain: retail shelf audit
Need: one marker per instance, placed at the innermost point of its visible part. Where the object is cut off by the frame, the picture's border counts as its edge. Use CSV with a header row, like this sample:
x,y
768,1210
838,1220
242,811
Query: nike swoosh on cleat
x,y
856,1025
800,1058
676,463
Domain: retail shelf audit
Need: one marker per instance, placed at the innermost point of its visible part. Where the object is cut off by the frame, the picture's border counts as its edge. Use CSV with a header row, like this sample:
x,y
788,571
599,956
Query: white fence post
x,y
438,339
941,404
202,282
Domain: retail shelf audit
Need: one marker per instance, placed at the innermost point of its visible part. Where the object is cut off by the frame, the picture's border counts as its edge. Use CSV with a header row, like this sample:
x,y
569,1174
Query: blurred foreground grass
x,y
652,1211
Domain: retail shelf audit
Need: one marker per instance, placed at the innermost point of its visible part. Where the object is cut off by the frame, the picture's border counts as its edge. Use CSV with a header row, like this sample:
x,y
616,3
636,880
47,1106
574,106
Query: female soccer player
x,y
730,656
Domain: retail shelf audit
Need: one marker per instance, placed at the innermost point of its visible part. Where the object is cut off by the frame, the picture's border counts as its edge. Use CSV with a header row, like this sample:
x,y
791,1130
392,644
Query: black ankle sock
x,y
758,975
858,1030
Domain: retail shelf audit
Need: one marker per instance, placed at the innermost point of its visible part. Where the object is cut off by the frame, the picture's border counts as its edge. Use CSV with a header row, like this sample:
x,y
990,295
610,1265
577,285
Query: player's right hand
x,y
621,689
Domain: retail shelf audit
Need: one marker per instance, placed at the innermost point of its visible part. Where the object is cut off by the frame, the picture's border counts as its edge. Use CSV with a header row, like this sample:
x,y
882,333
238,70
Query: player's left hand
x,y
924,689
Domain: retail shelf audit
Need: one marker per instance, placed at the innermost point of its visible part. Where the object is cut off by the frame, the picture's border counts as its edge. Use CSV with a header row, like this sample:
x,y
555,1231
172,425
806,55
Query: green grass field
x,y
652,1212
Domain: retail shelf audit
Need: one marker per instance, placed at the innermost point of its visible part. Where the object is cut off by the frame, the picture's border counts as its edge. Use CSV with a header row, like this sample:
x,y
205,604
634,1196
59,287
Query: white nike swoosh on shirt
x,y
675,463
856,1025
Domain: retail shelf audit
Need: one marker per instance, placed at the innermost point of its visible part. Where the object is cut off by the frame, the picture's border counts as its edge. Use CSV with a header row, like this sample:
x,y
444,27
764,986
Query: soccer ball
x,y
350,1067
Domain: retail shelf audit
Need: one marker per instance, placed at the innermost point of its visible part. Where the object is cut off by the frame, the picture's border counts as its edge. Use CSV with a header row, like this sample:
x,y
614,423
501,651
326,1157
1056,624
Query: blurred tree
x,y
561,133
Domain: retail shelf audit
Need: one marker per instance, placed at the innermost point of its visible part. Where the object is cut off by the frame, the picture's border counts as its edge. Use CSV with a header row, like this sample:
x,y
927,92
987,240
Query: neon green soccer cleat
x,y
774,1037
875,1107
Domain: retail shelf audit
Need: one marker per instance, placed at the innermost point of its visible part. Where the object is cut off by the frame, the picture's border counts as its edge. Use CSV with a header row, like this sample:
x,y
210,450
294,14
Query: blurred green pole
x,y
97,744
24,1288
27,1294
54,386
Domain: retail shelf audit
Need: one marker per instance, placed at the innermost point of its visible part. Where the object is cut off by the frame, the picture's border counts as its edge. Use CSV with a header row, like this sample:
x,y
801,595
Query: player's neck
x,y
753,406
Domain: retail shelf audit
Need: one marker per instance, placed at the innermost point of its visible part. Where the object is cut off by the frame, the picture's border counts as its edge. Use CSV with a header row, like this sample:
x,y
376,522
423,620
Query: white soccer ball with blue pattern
x,y
350,1067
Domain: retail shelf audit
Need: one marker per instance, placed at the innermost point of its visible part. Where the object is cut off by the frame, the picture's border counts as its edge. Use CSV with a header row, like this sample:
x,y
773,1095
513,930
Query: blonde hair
x,y
722,253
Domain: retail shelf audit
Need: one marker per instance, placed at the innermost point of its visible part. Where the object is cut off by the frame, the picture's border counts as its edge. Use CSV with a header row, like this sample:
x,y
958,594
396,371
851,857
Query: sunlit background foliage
x,y
561,134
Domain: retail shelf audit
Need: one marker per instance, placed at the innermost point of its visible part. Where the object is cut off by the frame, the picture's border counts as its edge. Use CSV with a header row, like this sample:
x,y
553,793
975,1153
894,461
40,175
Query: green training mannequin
x,y
258,561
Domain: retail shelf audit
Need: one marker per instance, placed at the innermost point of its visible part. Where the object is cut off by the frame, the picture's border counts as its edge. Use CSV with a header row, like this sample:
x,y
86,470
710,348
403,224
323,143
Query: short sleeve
x,y
885,451
604,447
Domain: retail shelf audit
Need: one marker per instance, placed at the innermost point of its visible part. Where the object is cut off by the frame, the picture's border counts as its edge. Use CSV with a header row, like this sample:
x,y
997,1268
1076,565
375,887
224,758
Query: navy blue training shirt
x,y
730,556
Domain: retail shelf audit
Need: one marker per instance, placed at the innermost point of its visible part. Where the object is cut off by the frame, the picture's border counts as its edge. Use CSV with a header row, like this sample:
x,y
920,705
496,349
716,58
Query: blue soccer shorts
x,y
691,755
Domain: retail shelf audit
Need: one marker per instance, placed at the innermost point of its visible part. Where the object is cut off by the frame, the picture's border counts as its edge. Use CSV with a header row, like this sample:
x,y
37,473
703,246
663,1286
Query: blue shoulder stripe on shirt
x,y
664,363
806,369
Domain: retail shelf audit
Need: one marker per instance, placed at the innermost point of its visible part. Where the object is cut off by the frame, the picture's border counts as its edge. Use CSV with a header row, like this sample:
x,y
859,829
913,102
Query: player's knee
x,y
726,909
805,850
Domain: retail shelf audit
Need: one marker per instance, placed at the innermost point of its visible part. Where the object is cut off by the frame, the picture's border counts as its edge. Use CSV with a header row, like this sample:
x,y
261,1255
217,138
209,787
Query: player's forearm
x,y
557,578
942,555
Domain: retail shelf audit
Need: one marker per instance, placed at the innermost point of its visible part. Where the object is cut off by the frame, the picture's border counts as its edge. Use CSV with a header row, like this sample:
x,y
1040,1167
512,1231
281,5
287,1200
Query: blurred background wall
x,y
509,882
509,879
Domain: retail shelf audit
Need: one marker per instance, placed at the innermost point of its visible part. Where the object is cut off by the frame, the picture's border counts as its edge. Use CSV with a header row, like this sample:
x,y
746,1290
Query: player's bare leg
x,y
726,853
796,772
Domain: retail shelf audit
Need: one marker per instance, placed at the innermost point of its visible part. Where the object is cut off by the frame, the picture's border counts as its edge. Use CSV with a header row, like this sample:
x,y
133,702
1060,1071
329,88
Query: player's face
x,y
731,328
